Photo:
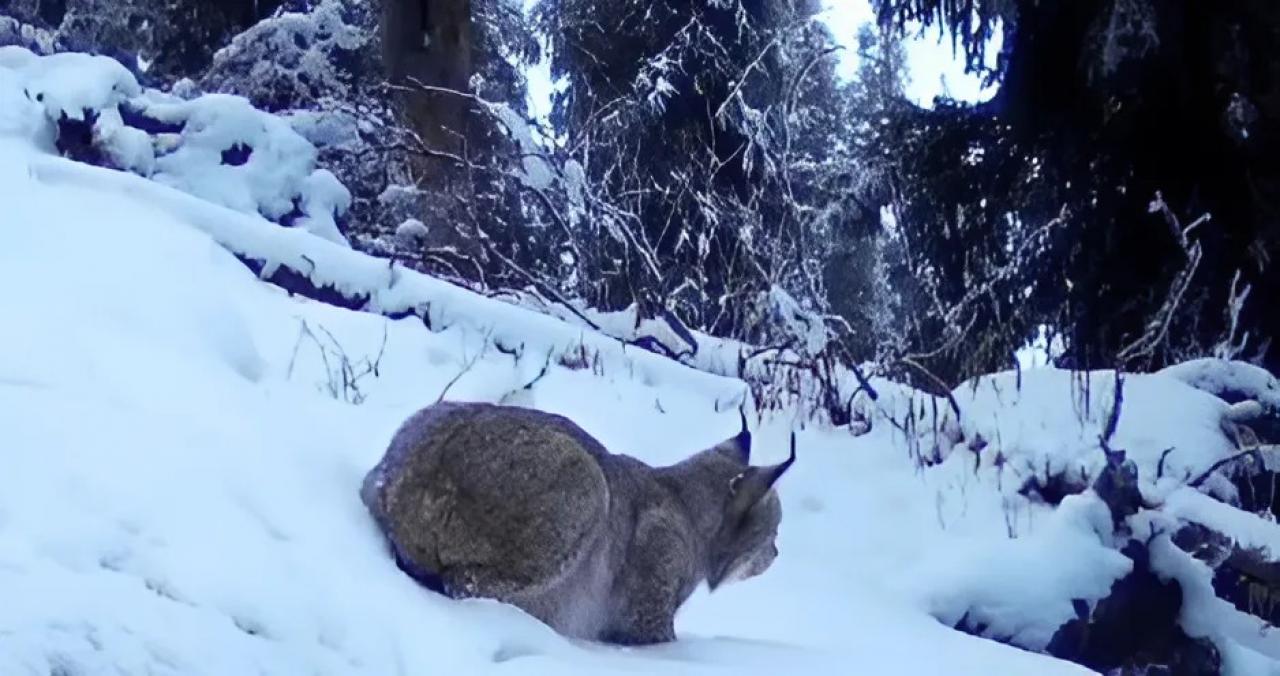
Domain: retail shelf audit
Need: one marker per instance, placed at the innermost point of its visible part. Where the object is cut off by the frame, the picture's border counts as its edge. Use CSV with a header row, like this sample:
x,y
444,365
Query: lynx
x,y
523,506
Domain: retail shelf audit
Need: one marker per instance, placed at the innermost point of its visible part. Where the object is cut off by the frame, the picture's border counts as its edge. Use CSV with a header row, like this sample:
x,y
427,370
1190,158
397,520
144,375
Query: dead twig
x,y
470,363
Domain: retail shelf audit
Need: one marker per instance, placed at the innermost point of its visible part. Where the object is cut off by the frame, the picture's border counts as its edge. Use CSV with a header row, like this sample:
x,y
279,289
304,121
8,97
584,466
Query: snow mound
x,y
1048,421
1028,453
71,85
216,147
1024,590
232,154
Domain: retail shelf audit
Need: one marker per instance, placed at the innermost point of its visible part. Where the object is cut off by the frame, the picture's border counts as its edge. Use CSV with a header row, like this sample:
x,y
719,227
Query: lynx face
x,y
747,545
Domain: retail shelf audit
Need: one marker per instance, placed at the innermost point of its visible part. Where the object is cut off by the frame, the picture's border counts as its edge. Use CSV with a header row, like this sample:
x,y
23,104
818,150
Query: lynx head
x,y
744,545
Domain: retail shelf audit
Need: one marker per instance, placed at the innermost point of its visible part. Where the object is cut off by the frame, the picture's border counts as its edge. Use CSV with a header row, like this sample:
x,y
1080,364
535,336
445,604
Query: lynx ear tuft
x,y
743,440
750,486
738,447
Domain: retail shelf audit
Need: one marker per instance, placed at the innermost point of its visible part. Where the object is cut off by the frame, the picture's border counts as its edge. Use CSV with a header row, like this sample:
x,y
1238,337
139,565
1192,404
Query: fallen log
x,y
1242,548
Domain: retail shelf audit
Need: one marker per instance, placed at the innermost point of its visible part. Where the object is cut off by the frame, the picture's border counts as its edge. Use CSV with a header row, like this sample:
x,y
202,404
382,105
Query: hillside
x,y
183,444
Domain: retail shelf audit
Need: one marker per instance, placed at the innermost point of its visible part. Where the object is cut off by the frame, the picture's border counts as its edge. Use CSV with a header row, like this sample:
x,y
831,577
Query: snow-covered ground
x,y
180,461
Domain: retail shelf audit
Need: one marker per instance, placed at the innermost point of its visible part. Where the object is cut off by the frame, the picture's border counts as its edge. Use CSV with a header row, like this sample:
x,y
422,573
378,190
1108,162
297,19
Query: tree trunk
x,y
430,42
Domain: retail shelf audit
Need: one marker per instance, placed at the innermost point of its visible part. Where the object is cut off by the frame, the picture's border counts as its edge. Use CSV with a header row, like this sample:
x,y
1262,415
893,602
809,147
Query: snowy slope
x,y
175,500
179,467
179,492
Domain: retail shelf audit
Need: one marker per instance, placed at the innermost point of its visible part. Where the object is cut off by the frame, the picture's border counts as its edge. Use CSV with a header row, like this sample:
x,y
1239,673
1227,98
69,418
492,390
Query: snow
x,y
799,321
323,197
1248,530
23,117
1022,590
324,25
70,84
1247,644
126,147
391,288
1234,378
180,493
182,465
1041,350
1053,418
209,521
278,171
1017,427
412,230
292,57
537,172
14,32
226,152
327,128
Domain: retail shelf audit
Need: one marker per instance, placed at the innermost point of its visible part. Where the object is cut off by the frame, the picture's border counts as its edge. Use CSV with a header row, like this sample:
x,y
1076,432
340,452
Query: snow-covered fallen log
x,y
1254,392
1229,380
220,149
1139,449
1241,547
805,377
335,274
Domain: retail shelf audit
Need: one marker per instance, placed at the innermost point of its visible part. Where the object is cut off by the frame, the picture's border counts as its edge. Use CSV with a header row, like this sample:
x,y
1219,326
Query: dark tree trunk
x,y
430,42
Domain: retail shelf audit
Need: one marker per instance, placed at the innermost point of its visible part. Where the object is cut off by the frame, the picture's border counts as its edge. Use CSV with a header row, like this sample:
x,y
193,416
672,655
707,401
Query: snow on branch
x,y
1143,347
